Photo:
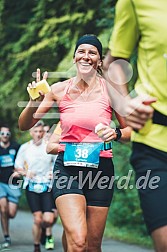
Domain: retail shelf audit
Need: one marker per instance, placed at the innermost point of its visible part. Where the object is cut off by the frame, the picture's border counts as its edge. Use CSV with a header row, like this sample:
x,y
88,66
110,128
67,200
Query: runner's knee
x,y
48,221
12,215
3,208
77,241
38,220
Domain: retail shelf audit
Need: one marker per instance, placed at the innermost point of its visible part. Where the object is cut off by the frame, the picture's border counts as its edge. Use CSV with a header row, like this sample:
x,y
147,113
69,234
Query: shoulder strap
x,y
67,88
105,91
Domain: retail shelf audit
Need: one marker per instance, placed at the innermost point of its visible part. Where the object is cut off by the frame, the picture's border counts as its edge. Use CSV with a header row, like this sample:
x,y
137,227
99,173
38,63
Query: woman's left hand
x,y
108,134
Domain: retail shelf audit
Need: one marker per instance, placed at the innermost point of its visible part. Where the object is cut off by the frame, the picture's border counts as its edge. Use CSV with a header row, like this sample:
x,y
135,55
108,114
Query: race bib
x,y
37,187
82,154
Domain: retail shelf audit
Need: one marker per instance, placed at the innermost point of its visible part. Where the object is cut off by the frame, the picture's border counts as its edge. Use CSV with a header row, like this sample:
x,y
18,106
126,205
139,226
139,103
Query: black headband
x,y
92,40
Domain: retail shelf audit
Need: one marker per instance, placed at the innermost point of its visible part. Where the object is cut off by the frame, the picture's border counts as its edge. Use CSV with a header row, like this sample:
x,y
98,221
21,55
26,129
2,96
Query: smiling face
x,y
87,59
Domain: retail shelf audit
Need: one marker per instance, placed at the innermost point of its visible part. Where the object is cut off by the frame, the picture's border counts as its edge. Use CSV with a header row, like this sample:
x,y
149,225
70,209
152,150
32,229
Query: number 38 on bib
x,y
82,154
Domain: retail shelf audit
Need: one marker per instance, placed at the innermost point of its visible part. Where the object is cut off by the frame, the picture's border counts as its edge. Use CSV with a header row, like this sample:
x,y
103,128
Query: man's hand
x,y
138,111
19,172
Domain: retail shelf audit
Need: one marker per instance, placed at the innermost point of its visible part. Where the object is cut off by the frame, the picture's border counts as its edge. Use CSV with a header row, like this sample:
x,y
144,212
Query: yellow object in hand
x,y
40,86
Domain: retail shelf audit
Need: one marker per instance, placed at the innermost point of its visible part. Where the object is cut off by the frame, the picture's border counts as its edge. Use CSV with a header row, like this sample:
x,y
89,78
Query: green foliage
x,y
23,204
128,235
42,34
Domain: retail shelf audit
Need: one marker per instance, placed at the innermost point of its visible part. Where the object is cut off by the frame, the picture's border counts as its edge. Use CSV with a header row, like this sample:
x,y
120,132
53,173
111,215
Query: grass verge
x,y
128,235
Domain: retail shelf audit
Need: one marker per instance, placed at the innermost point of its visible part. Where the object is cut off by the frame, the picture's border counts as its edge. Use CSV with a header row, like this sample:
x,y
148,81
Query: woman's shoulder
x,y
58,89
60,86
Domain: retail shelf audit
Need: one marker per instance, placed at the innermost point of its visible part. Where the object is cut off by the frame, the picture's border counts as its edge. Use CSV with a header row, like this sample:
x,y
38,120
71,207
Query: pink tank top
x,y
79,119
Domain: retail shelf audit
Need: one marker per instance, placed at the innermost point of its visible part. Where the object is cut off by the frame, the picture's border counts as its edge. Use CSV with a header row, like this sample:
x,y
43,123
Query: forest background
x,y
43,33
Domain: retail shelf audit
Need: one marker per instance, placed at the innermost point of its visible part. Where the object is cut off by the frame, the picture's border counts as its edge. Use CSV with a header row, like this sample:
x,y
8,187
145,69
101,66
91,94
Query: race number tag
x,y
82,154
37,187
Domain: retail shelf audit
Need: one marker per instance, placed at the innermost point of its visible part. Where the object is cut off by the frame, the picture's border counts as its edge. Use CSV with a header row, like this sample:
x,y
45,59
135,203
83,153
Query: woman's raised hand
x,y
34,85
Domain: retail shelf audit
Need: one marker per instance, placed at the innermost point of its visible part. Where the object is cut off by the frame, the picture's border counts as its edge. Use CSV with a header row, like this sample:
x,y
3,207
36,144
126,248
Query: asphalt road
x,y
22,240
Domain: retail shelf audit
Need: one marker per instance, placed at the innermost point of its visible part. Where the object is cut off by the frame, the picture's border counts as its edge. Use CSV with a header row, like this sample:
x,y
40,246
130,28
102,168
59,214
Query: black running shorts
x,y
96,184
43,202
152,165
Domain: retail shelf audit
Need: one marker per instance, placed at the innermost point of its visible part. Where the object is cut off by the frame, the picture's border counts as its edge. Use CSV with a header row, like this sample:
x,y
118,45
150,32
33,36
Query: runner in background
x,y
46,235
9,196
36,166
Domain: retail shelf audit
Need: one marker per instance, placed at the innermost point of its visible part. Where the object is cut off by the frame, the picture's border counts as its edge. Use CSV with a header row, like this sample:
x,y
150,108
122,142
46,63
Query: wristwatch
x,y
118,133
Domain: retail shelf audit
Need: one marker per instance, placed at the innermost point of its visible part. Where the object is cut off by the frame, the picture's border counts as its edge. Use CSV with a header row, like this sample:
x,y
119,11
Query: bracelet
x,y
118,133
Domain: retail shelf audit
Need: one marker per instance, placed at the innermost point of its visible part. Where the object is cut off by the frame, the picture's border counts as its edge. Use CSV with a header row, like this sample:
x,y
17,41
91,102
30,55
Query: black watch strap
x,y
118,133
